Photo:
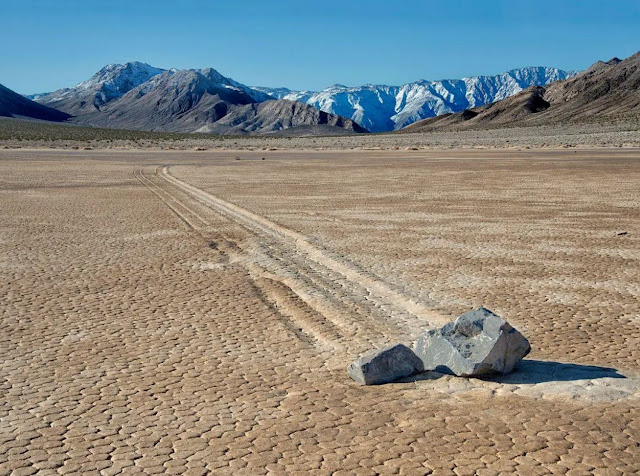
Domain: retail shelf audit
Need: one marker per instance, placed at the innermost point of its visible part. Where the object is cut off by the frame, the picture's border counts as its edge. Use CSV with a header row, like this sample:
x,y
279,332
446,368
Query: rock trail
x,y
341,306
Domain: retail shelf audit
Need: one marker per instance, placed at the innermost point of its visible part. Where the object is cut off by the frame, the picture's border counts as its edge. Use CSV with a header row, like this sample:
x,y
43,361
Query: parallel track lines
x,y
328,299
161,194
378,290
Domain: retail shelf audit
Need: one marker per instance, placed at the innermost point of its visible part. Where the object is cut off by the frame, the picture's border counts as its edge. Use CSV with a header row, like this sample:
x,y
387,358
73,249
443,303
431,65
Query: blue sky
x,y
48,44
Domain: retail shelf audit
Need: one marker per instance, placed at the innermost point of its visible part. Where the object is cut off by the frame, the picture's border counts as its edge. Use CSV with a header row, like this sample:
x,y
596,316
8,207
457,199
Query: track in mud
x,y
318,292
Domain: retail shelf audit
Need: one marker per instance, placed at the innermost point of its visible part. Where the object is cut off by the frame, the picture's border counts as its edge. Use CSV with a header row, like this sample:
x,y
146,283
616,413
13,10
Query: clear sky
x,y
48,44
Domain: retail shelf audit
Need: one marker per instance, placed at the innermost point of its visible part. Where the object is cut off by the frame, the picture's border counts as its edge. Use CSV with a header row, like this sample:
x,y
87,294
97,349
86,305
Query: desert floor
x,y
194,312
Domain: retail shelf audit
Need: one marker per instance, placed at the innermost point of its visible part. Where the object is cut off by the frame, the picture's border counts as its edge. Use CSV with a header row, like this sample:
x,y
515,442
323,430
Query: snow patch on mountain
x,y
111,82
207,78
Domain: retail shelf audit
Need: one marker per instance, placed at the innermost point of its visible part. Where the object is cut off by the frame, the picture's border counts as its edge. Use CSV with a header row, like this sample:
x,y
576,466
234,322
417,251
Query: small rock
x,y
385,365
477,343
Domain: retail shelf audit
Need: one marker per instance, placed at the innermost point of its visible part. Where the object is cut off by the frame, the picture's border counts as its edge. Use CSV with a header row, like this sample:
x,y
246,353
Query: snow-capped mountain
x,y
606,92
193,100
111,82
381,108
115,80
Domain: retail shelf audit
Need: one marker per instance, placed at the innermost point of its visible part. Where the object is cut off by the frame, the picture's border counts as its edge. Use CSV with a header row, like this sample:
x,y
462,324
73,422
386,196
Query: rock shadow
x,y
530,371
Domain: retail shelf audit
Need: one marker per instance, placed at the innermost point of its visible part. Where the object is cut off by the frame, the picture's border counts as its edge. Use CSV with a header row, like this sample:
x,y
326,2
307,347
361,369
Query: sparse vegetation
x,y
25,130
15,133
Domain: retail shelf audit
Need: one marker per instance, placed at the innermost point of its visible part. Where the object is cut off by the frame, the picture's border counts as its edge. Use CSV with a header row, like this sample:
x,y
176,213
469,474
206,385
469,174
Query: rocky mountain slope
x,y
206,101
281,115
607,91
386,108
13,104
111,82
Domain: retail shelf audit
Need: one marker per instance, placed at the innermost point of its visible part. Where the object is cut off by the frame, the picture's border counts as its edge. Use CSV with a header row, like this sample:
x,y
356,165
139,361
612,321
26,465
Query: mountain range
x,y
381,108
607,91
140,96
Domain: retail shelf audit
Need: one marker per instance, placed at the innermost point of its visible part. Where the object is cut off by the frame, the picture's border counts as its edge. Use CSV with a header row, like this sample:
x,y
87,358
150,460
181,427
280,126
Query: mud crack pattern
x,y
184,321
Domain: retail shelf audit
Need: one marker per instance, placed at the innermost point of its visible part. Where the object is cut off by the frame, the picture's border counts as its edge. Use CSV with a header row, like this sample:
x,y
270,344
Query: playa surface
x,y
194,312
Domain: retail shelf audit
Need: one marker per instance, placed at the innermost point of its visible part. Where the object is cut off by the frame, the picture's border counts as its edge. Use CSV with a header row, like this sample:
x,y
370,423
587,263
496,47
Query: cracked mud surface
x,y
192,313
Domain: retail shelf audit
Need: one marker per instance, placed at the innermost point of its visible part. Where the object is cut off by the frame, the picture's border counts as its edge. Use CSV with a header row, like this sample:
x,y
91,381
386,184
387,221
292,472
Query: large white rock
x,y
477,343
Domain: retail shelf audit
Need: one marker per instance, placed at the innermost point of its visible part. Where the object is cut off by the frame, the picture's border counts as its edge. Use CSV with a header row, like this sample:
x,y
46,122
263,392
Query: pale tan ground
x,y
191,313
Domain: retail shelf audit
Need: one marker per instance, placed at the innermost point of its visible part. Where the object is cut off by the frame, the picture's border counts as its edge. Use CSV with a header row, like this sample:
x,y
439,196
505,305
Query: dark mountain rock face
x,y
13,104
276,115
